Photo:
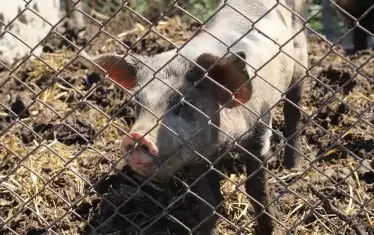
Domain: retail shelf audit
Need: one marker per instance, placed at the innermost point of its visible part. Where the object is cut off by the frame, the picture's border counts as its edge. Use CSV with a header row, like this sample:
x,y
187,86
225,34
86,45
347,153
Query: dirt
x,y
61,171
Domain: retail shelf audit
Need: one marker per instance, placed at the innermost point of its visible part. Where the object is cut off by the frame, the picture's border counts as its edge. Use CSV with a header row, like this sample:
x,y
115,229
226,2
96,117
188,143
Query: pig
x,y
357,9
214,95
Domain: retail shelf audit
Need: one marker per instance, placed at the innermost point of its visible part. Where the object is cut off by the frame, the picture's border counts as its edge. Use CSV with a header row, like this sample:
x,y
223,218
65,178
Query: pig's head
x,y
177,109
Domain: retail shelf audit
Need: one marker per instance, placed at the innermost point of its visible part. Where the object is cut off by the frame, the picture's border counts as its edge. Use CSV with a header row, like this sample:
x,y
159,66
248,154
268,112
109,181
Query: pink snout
x,y
141,152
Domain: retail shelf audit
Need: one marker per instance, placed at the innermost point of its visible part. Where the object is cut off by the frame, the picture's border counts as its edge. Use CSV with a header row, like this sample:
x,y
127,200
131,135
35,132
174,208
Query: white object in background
x,y
28,27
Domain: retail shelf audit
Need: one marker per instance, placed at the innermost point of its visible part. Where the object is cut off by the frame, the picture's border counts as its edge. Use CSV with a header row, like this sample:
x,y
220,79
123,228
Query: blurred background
x,y
325,18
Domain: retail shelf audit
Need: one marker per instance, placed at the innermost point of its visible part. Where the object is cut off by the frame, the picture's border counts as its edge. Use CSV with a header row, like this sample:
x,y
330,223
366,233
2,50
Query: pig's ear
x,y
231,73
115,65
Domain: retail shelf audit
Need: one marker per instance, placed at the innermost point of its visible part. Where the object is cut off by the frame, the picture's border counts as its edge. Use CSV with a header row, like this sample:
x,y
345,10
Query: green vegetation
x,y
203,9
315,13
316,23
200,9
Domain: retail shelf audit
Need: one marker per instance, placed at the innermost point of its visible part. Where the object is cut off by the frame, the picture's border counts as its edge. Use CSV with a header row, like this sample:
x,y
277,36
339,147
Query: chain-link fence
x,y
201,117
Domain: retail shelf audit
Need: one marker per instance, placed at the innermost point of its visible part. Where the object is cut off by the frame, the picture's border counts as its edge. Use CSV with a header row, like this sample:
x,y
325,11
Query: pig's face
x,y
175,111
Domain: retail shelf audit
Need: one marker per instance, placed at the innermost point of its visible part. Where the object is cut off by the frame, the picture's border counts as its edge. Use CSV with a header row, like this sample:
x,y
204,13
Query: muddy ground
x,y
60,170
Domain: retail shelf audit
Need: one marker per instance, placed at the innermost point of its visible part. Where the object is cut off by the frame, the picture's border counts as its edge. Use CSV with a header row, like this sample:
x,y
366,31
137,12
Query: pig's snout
x,y
139,152
143,143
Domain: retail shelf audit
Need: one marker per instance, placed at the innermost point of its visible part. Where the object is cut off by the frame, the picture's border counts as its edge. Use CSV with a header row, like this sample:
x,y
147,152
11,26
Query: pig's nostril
x,y
144,147
129,147
136,141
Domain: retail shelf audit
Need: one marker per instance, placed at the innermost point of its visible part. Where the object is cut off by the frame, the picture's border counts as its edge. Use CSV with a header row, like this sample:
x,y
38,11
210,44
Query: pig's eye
x,y
133,107
183,110
177,109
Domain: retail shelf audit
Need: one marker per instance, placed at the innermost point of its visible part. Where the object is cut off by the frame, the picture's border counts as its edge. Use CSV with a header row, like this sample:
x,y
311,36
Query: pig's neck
x,y
238,122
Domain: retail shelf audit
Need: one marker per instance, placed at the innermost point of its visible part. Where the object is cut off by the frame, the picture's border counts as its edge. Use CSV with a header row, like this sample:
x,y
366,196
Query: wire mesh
x,y
70,135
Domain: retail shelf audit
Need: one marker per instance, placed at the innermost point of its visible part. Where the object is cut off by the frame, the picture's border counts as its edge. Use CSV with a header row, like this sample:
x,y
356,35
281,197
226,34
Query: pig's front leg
x,y
256,184
209,189
292,113
292,116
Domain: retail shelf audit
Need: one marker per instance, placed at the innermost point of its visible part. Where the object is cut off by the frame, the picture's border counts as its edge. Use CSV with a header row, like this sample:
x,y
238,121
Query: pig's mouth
x,y
141,161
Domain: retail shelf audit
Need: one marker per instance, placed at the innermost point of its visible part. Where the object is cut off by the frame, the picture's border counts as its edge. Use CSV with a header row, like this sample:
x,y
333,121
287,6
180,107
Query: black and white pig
x,y
255,54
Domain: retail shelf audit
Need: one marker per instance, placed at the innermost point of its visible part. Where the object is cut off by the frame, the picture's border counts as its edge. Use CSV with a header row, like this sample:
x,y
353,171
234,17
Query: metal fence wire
x,y
80,154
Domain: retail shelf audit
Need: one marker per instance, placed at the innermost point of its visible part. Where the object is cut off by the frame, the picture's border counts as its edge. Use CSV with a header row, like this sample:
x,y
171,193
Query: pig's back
x,y
261,46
